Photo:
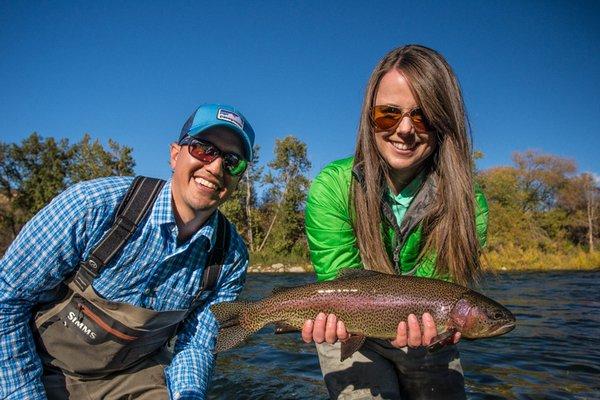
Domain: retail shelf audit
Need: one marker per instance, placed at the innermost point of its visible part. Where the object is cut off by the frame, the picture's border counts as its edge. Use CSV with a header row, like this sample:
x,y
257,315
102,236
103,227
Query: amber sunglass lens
x,y
385,117
419,121
385,122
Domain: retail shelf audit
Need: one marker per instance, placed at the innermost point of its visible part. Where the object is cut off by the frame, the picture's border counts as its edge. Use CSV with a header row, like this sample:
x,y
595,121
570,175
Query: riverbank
x,y
307,268
508,260
281,268
514,259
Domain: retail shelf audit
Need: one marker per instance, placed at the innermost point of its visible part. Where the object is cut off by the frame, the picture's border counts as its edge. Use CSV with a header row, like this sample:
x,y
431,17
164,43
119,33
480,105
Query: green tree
x,y
36,170
542,177
90,160
540,208
288,186
242,207
580,199
510,222
30,175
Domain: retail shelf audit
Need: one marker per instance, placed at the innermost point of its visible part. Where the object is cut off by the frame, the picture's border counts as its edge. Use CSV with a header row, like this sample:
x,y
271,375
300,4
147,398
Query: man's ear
x,y
175,149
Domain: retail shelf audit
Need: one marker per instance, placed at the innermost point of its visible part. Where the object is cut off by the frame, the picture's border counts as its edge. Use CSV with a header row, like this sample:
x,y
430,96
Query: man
x,y
104,335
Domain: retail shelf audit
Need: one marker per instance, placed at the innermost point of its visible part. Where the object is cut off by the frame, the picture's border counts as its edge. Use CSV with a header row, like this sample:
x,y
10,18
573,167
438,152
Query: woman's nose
x,y
405,126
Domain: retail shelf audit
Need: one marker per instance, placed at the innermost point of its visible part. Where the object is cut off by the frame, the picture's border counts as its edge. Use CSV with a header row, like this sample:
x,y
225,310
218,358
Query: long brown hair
x,y
449,224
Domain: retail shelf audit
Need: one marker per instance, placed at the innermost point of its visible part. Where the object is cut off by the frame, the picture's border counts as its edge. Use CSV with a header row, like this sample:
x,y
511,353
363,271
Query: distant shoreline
x,y
307,268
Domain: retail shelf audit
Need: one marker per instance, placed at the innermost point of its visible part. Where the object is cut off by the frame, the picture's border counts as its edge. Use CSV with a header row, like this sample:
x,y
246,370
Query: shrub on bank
x,y
513,258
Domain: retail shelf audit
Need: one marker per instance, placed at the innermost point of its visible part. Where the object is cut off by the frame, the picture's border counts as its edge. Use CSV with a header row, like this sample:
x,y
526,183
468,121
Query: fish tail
x,y
231,332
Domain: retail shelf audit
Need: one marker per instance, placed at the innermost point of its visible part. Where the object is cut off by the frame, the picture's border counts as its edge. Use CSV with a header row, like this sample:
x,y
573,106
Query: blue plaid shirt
x,y
152,271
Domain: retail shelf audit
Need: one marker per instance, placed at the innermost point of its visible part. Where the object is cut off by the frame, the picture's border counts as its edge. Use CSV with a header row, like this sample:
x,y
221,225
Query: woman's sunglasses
x,y
207,152
386,117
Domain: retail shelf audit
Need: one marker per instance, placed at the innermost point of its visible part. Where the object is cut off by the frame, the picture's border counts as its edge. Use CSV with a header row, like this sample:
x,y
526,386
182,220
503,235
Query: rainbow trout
x,y
371,304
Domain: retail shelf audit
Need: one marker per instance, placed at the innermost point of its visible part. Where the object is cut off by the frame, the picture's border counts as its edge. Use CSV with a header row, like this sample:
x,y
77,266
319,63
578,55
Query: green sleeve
x,y
481,216
331,239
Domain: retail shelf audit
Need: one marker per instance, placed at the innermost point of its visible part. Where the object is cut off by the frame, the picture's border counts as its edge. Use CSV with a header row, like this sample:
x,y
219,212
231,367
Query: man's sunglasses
x,y
386,117
206,152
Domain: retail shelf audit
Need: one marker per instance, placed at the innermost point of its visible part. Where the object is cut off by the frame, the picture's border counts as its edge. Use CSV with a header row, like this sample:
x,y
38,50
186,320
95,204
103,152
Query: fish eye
x,y
497,315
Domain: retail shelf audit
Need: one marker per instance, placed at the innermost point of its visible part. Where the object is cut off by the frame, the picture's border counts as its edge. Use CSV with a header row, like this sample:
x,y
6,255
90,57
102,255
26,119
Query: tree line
x,y
543,212
33,172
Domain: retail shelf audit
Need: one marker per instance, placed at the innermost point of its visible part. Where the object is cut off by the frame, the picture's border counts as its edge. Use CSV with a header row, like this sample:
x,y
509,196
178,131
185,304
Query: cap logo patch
x,y
230,116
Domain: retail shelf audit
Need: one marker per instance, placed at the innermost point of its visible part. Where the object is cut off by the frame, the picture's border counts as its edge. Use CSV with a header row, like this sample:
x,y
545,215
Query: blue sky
x,y
134,71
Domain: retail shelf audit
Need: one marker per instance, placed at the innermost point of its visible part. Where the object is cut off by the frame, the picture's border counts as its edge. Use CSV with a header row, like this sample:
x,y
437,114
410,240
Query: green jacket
x,y
332,241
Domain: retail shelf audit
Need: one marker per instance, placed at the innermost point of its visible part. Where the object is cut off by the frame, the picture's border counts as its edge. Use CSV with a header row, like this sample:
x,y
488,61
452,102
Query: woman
x,y
404,204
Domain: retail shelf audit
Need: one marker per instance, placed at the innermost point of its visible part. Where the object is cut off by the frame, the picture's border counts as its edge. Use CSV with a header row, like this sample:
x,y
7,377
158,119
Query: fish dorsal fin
x,y
348,273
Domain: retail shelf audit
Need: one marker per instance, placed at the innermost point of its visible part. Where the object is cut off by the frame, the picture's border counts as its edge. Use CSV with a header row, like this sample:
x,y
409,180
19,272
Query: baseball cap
x,y
209,115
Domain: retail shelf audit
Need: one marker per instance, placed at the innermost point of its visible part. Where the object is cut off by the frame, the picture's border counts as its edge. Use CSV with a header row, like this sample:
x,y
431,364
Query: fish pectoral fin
x,y
351,346
441,340
284,327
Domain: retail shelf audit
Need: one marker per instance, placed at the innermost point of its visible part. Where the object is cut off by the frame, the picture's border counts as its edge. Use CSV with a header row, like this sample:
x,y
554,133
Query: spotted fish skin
x,y
370,304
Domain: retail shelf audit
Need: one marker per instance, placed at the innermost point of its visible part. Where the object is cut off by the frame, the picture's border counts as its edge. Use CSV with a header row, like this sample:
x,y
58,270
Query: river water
x,y
553,353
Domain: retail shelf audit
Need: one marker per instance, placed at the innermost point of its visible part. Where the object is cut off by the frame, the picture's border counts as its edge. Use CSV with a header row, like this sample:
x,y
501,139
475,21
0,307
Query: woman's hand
x,y
327,328
409,332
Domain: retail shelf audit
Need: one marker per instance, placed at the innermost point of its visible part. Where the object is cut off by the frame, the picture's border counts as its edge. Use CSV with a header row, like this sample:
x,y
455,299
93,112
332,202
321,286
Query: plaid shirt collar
x,y
162,215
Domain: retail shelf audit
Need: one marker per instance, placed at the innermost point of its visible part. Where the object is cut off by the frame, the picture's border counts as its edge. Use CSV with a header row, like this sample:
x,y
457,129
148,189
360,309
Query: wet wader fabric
x,y
93,348
380,371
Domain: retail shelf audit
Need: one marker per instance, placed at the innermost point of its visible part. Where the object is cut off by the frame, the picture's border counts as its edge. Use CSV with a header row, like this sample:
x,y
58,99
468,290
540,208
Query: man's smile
x,y
206,183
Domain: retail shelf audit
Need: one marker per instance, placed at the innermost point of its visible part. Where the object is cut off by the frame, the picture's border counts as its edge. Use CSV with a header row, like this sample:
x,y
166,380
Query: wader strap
x,y
133,208
216,258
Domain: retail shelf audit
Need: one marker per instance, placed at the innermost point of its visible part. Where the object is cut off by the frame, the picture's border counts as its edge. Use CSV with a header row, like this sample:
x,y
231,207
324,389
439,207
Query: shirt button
x,y
148,292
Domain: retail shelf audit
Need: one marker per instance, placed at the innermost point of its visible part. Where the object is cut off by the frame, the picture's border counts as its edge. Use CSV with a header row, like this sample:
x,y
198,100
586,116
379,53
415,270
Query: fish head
x,y
477,316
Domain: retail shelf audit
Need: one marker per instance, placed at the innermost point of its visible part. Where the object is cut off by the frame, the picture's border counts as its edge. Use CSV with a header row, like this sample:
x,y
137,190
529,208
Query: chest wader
x,y
93,348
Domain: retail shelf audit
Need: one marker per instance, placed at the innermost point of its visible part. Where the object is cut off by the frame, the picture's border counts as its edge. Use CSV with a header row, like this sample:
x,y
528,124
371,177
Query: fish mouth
x,y
505,328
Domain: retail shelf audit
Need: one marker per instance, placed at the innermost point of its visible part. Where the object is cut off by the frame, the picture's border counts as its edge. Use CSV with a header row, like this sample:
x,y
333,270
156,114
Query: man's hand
x,y
327,328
